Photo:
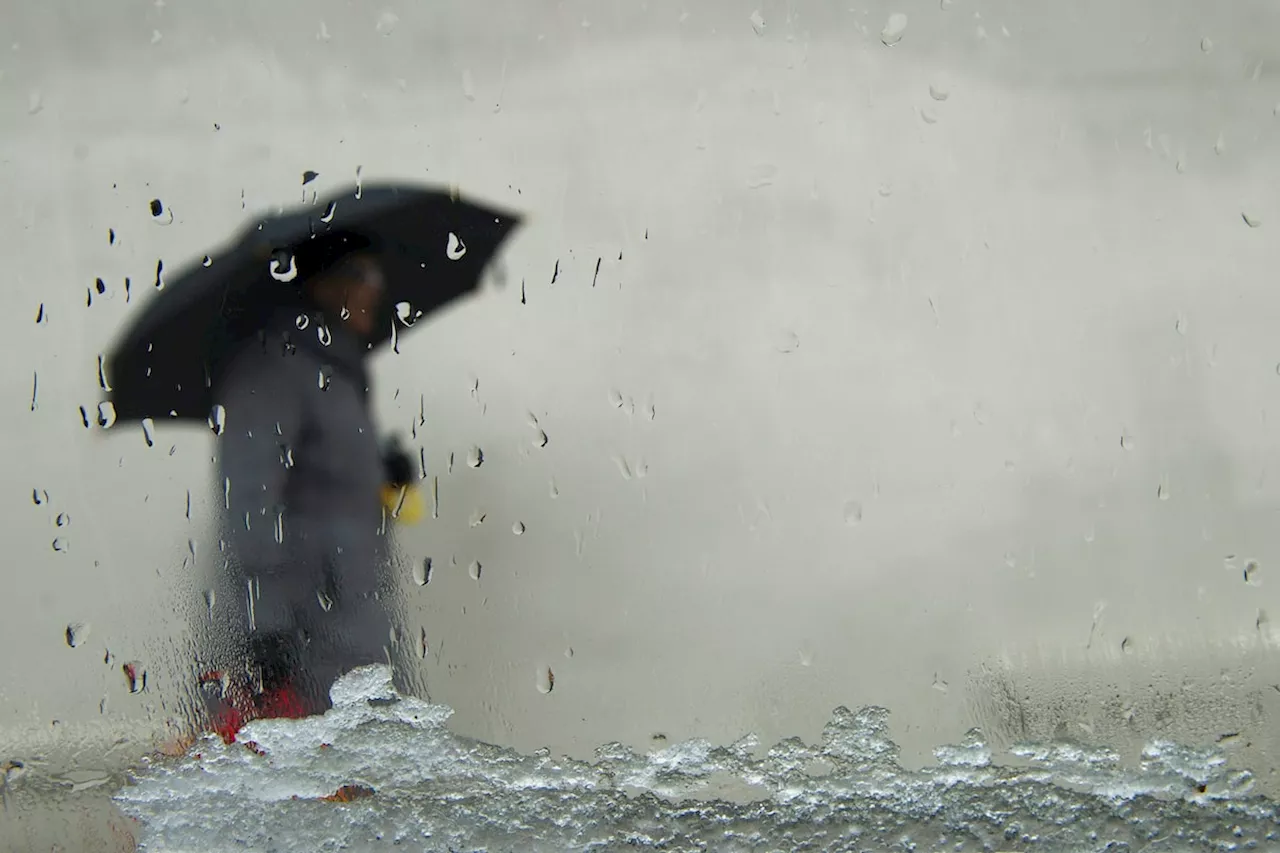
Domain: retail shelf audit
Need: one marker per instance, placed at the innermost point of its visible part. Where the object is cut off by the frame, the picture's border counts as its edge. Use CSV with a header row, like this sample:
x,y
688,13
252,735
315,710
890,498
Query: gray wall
x,y
938,375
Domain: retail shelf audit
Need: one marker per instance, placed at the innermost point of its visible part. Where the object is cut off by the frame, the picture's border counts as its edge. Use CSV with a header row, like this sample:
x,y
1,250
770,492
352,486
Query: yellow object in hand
x,y
403,503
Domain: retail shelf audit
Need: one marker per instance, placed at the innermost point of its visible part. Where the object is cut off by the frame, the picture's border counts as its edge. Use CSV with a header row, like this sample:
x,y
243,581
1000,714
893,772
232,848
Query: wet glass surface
x,y
909,359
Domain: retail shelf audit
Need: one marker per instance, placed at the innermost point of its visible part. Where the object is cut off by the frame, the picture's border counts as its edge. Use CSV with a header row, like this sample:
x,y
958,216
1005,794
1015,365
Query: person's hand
x,y
398,465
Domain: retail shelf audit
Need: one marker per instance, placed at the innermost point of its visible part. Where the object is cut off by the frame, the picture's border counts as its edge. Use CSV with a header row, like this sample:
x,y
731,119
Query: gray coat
x,y
301,471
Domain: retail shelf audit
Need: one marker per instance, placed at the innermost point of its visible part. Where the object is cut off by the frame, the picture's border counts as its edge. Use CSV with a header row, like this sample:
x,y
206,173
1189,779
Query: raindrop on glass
x,y
940,685
455,248
283,267
568,653
301,322
308,176
206,261
77,633
423,648
422,572
135,676
1251,220
210,599
475,457
35,103
1206,44
326,603
324,377
1126,645
38,497
615,398
329,211
474,570
553,490
546,680
852,513
218,419
939,91
893,29
345,313
1220,145
1162,492
323,335
62,520
149,431
518,528
1126,441
757,22
1251,573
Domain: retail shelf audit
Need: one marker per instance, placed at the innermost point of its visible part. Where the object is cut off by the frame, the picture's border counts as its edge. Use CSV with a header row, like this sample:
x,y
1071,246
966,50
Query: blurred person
x,y
306,494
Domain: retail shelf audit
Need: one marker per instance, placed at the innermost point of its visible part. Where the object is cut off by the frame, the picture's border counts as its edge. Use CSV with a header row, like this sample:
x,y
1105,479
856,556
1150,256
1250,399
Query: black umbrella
x,y
433,247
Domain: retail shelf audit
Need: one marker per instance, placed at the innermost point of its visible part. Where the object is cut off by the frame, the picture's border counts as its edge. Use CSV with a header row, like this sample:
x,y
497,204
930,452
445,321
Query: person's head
x,y
351,290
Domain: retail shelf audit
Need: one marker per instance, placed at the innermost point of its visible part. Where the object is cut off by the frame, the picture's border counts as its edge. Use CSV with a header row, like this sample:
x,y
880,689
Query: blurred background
x,y
911,354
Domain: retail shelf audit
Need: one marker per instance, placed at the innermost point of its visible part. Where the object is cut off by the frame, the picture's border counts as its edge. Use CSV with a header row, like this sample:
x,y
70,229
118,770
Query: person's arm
x,y
263,396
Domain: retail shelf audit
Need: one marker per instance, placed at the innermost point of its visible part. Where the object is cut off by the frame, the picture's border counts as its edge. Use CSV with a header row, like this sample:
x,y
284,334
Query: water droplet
x,y
326,603
455,248
477,518
1206,44
135,676
928,116
406,315
940,685
1162,492
939,91
1250,219
788,342
893,29
757,22
35,103
301,322
77,633
39,497
149,431
540,439
283,267
475,457
1251,573
546,680
468,85
1126,441
323,334
553,490
1262,622
62,520
387,21
1220,145
568,653
422,572
308,176
474,570
324,377
615,398
210,599
852,513
518,528
1126,645
1180,325
344,313
218,419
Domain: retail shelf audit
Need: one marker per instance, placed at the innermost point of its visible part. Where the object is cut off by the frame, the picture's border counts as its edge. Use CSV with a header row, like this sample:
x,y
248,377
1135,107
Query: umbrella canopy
x,y
433,247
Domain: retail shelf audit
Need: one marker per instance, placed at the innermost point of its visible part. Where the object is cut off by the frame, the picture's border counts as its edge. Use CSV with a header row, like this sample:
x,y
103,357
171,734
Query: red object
x,y
239,708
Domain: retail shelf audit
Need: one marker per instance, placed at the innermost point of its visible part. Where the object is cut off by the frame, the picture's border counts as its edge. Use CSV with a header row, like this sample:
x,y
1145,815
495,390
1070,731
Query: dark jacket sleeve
x,y
264,401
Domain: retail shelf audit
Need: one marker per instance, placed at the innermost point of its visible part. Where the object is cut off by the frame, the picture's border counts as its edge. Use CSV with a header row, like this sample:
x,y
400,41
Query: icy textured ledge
x,y
410,784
